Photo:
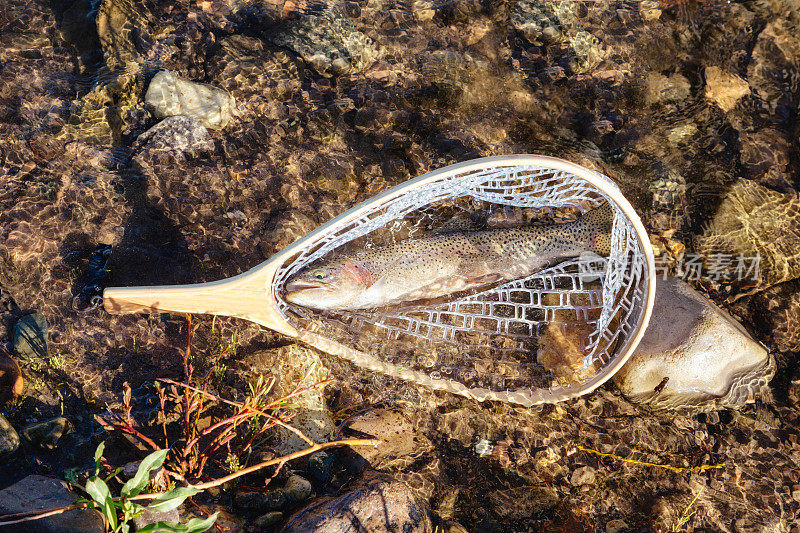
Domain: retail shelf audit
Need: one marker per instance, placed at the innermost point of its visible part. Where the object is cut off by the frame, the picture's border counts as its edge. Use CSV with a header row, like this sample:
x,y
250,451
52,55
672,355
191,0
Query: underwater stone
x,y
397,435
520,503
297,488
253,501
537,21
173,96
46,434
9,438
660,88
786,333
319,467
766,156
754,221
266,521
179,133
29,339
379,503
329,42
694,355
121,25
724,89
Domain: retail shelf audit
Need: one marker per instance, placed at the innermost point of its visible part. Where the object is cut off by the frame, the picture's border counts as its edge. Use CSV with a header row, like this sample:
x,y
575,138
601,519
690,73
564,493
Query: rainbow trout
x,y
443,264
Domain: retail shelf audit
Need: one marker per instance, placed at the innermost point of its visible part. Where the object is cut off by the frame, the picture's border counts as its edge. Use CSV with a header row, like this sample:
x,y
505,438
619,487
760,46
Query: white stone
x,y
694,355
173,96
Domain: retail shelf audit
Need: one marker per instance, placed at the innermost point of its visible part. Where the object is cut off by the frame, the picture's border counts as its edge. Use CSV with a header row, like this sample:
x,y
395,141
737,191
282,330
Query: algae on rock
x,y
757,222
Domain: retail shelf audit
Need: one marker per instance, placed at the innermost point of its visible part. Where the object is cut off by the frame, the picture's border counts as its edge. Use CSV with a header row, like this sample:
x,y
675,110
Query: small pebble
x,y
297,489
9,439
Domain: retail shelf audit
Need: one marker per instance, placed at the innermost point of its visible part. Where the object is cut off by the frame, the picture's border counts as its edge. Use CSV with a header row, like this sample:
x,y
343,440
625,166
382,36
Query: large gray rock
x,y
694,355
172,96
38,493
29,338
378,504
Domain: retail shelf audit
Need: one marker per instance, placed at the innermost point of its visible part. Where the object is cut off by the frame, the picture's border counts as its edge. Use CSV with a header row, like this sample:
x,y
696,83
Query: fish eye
x,y
319,274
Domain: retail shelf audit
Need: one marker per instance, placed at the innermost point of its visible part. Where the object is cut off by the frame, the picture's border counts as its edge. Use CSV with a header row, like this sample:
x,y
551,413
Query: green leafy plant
x,y
121,510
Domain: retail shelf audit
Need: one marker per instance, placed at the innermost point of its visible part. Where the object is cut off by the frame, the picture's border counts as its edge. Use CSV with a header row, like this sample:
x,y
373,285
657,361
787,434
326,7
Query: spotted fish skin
x,y
443,264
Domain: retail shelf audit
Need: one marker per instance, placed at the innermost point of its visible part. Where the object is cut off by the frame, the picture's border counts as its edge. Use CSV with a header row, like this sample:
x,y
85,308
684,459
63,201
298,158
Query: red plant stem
x,y
129,430
255,410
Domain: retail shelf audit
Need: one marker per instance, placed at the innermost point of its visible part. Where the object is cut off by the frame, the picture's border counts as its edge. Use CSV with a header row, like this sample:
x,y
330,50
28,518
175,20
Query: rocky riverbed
x,y
177,142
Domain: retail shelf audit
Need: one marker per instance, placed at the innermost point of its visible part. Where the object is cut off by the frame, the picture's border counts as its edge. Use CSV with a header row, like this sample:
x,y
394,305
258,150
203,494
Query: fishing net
x,y
555,334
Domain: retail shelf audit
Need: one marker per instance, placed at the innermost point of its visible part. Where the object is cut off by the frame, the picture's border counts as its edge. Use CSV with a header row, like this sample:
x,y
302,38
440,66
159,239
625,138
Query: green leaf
x,y
99,492
195,525
98,454
172,499
114,474
198,525
137,483
162,527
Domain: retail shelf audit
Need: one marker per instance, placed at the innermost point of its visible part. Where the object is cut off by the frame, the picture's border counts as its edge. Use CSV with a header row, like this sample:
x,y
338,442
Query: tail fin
x,y
601,221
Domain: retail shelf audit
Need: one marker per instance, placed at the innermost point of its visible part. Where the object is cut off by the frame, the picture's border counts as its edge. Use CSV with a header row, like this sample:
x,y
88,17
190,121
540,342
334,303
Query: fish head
x,y
328,286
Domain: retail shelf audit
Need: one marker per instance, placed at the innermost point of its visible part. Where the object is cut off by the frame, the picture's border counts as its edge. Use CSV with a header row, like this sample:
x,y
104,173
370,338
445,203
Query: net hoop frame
x,y
538,396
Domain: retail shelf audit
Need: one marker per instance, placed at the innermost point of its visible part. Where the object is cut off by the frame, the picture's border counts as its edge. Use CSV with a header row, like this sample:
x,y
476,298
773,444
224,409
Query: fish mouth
x,y
302,285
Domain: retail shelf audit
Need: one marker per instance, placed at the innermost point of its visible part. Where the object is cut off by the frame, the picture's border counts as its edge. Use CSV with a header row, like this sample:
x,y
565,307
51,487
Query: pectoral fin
x,y
482,279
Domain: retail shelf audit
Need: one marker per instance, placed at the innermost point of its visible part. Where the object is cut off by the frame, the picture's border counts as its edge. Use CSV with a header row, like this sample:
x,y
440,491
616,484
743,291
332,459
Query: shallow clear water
x,y
686,104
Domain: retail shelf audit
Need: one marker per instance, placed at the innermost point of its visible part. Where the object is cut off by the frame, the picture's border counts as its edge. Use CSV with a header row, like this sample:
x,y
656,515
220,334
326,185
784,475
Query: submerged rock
x,y
329,42
694,355
103,114
37,493
46,434
29,339
297,488
254,501
178,134
9,439
786,333
123,27
660,88
766,156
380,503
171,96
724,89
521,503
754,221
398,435
537,21
267,520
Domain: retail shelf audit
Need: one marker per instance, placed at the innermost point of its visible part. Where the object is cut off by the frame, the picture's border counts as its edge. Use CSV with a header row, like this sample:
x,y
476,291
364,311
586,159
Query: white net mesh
x,y
534,339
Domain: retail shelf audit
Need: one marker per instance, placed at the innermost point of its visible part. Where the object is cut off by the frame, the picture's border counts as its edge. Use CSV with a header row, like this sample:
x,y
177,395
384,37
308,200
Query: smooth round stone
x,y
297,488
172,96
